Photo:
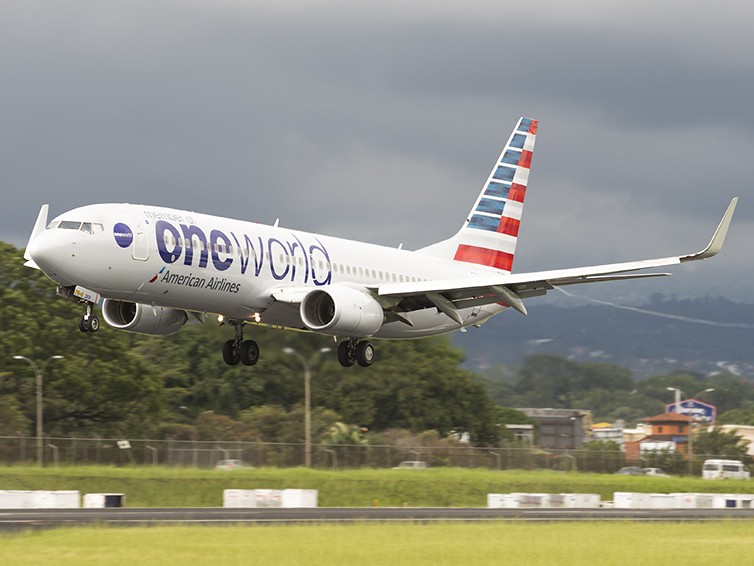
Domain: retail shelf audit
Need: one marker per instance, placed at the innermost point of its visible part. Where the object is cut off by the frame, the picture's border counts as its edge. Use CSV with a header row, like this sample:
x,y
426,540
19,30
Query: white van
x,y
724,470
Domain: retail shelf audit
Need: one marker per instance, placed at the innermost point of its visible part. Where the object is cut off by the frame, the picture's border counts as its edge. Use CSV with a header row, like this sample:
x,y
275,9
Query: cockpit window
x,y
86,227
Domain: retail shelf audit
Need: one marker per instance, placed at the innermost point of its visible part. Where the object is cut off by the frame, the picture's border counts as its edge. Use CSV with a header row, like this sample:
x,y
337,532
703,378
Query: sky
x,y
380,121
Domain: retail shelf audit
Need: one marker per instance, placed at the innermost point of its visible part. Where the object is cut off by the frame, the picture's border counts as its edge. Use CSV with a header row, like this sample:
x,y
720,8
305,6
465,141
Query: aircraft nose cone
x,y
51,253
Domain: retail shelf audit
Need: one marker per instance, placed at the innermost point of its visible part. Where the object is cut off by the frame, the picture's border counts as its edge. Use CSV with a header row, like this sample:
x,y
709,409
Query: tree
x,y
741,416
725,444
508,416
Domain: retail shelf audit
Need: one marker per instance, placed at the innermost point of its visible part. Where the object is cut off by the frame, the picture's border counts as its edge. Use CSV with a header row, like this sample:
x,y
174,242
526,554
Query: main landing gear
x,y
240,350
353,351
89,322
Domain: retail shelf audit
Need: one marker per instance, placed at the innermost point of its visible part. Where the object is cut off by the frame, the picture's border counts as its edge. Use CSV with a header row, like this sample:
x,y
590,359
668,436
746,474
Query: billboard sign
x,y
697,410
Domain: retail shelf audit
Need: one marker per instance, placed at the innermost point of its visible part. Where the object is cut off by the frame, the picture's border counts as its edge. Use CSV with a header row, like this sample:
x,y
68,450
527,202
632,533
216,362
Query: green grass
x,y
498,543
438,487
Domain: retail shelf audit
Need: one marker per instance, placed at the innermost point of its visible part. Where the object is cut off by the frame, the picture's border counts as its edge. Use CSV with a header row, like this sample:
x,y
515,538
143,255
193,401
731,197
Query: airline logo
x,y
490,236
284,258
124,236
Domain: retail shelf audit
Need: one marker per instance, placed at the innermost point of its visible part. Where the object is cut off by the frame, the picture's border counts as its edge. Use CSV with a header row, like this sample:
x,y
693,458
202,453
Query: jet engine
x,y
143,319
342,311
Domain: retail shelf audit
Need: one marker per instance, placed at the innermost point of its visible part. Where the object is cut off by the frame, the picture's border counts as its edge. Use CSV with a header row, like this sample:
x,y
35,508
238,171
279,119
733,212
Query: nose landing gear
x,y
89,322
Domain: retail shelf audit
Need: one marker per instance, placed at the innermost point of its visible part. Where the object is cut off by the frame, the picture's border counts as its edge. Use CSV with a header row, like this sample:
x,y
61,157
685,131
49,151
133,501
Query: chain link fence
x,y
206,454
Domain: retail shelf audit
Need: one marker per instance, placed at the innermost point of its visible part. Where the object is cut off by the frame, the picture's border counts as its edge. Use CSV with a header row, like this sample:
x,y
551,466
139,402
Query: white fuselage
x,y
208,264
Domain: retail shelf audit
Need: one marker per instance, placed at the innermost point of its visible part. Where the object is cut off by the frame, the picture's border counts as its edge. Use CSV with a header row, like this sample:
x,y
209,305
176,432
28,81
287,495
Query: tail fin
x,y
489,235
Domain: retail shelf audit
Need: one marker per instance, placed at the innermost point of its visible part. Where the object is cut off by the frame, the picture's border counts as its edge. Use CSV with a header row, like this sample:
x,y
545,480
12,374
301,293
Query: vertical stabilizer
x,y
489,234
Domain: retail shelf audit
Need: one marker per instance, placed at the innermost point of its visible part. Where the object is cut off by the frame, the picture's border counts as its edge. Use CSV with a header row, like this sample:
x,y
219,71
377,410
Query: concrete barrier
x,y
268,498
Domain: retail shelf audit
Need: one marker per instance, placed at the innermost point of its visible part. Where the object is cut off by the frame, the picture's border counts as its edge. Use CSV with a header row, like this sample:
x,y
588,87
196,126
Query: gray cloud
x,y
381,121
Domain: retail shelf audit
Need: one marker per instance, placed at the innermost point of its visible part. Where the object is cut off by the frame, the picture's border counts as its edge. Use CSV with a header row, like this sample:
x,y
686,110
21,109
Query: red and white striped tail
x,y
489,235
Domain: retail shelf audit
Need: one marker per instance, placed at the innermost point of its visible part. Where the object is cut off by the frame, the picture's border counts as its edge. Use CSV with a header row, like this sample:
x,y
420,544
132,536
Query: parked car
x,y
656,472
230,464
630,471
411,465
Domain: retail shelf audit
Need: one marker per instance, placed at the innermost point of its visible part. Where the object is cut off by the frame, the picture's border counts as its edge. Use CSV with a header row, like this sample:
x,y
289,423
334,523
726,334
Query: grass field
x,y
437,487
496,543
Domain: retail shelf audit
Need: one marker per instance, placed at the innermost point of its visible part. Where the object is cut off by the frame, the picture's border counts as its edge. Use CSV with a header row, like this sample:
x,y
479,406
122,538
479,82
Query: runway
x,y
21,519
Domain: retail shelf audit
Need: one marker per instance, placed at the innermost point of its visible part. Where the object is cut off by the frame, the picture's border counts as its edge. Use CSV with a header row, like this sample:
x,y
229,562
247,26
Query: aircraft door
x,y
141,242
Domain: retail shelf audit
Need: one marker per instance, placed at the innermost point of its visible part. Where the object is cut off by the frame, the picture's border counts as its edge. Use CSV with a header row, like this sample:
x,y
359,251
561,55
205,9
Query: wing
x,y
449,296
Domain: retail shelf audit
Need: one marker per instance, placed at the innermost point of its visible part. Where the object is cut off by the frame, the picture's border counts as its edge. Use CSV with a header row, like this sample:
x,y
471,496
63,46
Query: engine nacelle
x,y
342,311
143,319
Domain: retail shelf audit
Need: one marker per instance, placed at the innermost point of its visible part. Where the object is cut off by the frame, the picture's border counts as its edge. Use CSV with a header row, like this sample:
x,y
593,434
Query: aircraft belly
x,y
283,314
430,322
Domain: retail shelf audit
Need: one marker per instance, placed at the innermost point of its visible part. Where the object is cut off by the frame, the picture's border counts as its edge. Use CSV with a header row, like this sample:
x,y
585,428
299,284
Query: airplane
x,y
152,268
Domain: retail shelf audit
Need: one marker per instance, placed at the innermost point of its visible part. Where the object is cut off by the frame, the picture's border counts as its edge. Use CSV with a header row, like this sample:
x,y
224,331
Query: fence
x,y
206,454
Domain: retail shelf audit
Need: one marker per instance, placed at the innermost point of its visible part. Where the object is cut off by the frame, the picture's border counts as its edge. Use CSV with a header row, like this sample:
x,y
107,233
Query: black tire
x,y
346,355
249,353
93,324
365,354
230,353
83,324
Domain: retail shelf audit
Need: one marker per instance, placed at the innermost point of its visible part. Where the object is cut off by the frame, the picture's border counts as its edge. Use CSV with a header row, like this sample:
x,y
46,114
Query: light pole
x,y
39,373
307,404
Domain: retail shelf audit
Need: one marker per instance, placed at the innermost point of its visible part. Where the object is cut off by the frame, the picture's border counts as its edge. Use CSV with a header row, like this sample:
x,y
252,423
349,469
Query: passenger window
x,y
361,272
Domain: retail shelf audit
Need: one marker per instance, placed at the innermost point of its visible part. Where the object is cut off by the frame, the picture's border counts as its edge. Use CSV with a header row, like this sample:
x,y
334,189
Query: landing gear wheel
x,y
88,323
249,354
346,354
231,355
365,354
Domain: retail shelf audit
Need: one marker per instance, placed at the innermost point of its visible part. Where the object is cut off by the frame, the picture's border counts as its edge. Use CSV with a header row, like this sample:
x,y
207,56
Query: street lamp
x,y
307,403
39,373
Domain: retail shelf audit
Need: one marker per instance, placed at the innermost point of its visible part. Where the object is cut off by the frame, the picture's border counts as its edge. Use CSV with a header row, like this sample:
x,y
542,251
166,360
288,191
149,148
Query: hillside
x,y
703,335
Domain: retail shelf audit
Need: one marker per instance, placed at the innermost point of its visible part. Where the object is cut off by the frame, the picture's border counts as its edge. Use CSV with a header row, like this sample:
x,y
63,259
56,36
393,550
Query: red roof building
x,y
669,430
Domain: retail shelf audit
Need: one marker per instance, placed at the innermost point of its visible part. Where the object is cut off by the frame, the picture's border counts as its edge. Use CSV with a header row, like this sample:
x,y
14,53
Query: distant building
x,y
608,432
668,431
523,433
561,428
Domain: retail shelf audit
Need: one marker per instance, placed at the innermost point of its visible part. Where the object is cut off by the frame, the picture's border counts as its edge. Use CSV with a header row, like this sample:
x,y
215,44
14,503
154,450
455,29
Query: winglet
x,y
39,227
718,238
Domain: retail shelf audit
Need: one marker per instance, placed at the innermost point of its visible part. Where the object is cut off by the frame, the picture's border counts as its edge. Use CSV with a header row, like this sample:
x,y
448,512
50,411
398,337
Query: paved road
x,y
45,518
